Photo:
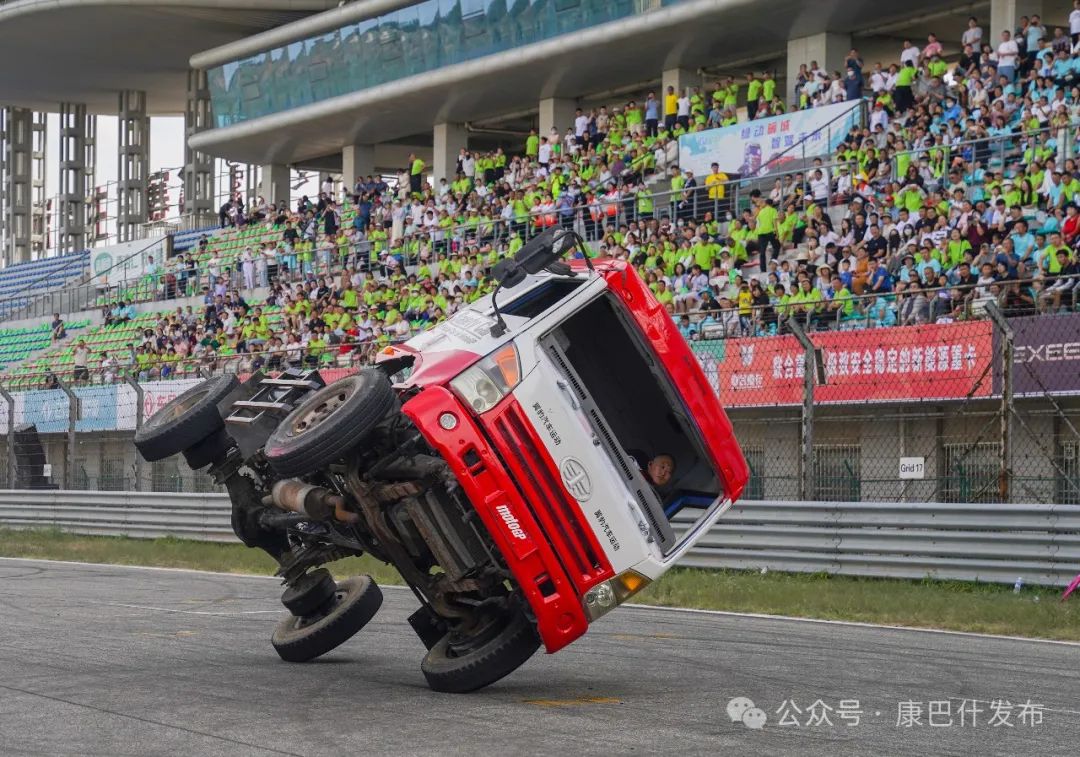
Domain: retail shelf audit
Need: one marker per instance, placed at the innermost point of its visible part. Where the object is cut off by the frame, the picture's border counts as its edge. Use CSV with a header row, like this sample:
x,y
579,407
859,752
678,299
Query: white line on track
x,y
191,612
727,613
853,623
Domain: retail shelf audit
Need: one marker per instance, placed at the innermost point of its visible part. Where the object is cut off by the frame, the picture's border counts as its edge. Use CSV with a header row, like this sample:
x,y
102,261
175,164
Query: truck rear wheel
x,y
185,421
329,423
353,605
458,667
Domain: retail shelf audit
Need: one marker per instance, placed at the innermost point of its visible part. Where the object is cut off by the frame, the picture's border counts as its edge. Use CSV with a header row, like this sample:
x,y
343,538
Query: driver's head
x,y
661,468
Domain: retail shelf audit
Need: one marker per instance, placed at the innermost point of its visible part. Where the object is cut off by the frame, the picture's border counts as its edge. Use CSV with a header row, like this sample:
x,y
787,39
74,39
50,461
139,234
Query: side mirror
x,y
542,252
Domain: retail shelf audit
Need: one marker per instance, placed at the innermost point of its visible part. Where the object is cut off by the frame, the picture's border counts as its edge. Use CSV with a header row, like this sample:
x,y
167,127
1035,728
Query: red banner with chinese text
x,y
900,364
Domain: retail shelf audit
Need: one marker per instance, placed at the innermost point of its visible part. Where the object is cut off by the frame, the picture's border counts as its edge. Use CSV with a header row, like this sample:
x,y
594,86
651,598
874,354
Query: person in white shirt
x,y
1007,54
878,79
1074,22
879,118
682,112
973,34
910,52
544,153
581,125
570,142
819,186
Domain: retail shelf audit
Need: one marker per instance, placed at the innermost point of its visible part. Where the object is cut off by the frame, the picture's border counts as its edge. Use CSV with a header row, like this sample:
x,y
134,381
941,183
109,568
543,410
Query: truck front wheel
x,y
460,665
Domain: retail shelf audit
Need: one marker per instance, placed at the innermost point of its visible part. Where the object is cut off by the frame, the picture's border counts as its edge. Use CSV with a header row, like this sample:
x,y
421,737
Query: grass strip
x,y
953,605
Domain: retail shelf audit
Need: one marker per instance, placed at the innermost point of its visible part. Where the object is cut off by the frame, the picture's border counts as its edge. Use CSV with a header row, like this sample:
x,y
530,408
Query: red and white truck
x,y
519,464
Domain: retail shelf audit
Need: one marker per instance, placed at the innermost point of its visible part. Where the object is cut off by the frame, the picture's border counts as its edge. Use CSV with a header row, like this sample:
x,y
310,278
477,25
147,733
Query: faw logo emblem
x,y
511,522
576,478
746,352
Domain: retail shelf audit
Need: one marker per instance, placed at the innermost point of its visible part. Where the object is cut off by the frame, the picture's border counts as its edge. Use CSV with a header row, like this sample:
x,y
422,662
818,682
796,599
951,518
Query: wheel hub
x,y
180,409
471,636
319,413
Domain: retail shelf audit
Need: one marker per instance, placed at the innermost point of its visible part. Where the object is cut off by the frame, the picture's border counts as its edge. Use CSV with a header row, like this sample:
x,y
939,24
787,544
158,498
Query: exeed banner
x,y
909,364
1046,355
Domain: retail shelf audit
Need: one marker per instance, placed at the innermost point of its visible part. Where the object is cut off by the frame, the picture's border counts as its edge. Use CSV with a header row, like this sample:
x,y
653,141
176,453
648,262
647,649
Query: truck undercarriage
x,y
318,473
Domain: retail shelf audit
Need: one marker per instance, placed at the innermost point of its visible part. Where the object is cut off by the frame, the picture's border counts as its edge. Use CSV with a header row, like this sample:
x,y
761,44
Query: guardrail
x,y
968,542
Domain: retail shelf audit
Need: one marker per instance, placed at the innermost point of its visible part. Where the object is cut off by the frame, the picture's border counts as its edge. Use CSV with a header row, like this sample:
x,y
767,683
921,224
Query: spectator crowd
x,y
960,190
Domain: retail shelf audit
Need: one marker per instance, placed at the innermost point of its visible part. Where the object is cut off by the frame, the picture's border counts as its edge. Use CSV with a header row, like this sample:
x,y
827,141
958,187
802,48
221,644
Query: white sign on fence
x,y
913,467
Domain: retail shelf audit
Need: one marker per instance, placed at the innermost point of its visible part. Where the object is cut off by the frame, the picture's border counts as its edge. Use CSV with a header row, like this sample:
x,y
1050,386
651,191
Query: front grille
x,y
557,356
613,448
559,516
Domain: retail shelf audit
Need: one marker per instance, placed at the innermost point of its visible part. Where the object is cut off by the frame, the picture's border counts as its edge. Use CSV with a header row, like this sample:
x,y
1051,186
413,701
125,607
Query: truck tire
x,y
329,423
185,421
486,664
212,449
302,639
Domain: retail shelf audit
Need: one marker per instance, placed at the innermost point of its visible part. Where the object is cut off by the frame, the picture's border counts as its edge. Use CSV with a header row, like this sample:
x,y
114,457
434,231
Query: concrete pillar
x,y
252,182
448,141
72,199
198,166
133,159
39,227
557,112
1005,14
356,160
275,185
89,176
679,78
829,49
15,133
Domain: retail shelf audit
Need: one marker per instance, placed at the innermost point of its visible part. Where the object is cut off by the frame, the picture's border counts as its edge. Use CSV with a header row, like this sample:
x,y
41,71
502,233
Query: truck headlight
x,y
606,596
484,384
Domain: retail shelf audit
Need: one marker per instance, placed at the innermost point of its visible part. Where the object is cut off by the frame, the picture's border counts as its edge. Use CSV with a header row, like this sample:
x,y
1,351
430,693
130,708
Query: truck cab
x,y
519,464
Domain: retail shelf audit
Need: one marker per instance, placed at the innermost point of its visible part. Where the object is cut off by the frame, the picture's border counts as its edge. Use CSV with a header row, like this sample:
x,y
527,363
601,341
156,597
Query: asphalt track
x,y
126,661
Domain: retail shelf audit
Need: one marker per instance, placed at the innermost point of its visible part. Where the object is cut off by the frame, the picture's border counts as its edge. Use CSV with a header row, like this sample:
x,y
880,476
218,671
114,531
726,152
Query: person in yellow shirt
x,y
671,107
715,182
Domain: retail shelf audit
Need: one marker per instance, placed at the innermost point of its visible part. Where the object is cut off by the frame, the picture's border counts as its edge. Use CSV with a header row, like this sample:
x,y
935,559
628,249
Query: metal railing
x,y
989,543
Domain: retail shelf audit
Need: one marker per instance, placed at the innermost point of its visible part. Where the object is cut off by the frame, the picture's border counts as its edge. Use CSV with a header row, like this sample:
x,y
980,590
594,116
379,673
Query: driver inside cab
x,y
660,469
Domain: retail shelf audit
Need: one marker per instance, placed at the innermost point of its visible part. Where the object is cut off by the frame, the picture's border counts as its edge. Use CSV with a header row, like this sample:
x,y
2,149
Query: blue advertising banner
x,y
756,148
48,409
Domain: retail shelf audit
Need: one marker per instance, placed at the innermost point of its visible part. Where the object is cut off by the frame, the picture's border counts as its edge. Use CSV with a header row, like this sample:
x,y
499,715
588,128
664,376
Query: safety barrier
x,y
969,542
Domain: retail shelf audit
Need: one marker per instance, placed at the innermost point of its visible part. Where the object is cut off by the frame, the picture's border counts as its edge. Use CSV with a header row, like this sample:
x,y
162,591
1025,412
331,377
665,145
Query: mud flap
x,y
428,626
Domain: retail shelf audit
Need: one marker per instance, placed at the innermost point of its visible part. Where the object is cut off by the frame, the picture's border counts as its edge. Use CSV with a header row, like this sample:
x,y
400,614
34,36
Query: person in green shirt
x,y
663,294
753,93
316,346
349,297
768,87
902,93
416,174
532,145
842,301
765,220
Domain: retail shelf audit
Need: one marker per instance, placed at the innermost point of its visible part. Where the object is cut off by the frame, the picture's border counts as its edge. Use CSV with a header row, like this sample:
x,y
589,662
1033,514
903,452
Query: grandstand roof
x,y
86,50
616,55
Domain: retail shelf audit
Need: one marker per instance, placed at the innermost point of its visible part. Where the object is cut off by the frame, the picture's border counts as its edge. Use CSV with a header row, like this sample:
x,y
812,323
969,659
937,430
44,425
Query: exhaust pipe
x,y
316,502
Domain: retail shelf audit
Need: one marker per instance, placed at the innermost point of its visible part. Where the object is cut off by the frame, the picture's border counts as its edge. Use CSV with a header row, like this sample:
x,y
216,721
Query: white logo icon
x,y
742,710
746,352
511,522
576,478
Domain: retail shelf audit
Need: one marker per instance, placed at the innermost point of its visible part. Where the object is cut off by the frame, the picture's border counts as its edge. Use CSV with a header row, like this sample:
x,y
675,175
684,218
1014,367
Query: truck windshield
x,y
535,301
634,410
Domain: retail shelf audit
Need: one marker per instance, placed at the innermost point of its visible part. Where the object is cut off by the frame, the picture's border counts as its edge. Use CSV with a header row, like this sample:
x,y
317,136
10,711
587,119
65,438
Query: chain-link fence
x,y
73,428
985,410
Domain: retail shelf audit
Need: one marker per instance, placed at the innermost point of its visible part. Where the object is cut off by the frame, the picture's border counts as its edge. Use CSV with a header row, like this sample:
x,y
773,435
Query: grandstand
x,y
21,284
879,217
